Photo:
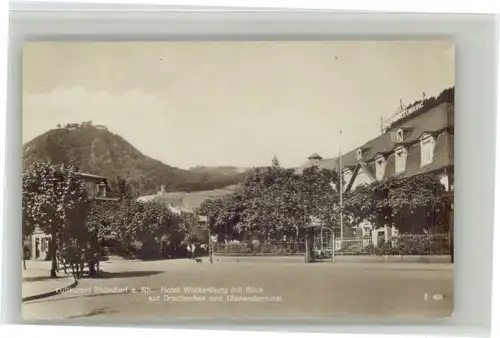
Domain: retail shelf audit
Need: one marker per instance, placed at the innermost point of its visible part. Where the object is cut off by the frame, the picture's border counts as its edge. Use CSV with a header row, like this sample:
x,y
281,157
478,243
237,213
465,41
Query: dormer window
x,y
101,189
400,154
399,135
427,144
359,154
380,167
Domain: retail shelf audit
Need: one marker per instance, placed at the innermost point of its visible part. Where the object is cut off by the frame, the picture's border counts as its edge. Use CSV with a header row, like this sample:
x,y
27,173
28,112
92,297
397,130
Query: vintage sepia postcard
x,y
237,180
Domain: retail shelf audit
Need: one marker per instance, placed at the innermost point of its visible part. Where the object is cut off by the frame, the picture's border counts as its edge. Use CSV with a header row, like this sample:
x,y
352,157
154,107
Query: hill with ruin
x,y
96,150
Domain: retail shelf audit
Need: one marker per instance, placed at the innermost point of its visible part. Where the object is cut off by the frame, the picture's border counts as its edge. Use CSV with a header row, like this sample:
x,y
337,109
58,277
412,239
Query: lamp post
x,y
206,225
210,249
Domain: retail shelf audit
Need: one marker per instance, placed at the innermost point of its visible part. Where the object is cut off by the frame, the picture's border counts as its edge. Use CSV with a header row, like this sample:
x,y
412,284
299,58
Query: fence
x,y
354,246
275,248
403,244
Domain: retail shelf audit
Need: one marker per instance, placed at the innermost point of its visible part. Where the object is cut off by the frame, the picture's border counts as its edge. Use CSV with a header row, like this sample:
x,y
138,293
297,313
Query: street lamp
x,y
204,219
210,247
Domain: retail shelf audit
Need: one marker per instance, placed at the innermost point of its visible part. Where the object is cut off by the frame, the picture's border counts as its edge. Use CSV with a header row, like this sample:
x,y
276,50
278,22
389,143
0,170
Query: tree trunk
x,y
53,254
24,256
309,245
307,256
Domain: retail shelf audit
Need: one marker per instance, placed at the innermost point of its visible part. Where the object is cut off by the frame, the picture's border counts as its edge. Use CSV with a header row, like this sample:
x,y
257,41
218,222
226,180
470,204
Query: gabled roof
x,y
188,201
92,176
436,119
367,170
443,156
432,121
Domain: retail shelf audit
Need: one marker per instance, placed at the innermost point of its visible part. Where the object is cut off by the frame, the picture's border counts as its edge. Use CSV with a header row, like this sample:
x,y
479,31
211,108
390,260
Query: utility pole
x,y
210,245
210,257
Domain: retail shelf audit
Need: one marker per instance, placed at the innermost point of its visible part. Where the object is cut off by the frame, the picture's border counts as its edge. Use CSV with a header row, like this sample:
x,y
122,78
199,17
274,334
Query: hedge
x,y
407,245
404,245
271,249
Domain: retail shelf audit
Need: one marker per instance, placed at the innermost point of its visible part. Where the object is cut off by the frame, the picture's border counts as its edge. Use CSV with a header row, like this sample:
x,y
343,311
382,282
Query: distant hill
x,y
96,150
221,170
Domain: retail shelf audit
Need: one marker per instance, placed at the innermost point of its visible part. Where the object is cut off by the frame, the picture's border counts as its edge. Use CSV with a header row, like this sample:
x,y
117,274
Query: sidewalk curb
x,y
51,293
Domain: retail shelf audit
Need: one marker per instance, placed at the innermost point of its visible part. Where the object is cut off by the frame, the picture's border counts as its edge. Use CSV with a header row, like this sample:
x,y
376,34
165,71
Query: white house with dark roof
x,y
417,143
186,202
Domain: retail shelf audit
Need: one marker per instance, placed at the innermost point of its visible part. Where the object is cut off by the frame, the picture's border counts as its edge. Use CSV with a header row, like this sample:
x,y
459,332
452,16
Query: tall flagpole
x,y
341,185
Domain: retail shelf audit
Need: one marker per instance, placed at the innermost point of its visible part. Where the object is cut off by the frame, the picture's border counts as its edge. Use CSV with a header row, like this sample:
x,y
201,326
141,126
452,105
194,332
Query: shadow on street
x,y
127,274
41,278
77,296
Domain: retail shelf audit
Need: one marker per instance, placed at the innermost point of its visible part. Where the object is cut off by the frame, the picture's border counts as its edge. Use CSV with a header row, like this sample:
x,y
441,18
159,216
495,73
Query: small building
x,y
98,189
39,244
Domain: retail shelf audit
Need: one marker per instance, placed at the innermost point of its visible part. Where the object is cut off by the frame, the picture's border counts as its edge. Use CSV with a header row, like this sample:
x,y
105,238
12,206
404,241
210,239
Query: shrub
x,y
284,252
385,248
422,244
266,248
275,249
369,249
407,245
401,245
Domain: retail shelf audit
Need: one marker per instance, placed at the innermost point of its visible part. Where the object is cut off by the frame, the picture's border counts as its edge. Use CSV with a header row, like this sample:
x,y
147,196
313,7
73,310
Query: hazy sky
x,y
226,103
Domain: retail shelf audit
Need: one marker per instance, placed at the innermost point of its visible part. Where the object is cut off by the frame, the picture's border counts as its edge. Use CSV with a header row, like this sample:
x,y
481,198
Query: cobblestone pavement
x,y
246,288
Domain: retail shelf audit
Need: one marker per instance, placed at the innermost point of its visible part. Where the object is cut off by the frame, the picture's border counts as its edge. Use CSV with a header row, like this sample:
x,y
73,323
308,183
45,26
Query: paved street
x,y
133,291
36,279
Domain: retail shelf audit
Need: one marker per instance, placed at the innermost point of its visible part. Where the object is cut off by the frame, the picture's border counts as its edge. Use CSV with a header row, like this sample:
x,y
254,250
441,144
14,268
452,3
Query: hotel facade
x,y
416,140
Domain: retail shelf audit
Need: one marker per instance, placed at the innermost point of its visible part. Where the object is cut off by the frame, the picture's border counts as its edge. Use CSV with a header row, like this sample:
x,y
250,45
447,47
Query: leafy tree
x,y
152,220
125,191
128,221
368,203
275,202
408,203
417,200
102,219
28,225
266,197
150,223
52,195
214,210
319,198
